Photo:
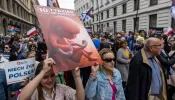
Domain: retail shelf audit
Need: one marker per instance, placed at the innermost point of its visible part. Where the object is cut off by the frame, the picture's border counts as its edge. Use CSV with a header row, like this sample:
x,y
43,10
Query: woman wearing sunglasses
x,y
105,82
44,87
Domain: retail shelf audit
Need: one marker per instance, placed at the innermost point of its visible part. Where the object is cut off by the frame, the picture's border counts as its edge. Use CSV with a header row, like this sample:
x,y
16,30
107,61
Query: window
x,y
101,2
136,4
115,11
115,27
97,27
87,6
97,17
0,3
93,18
101,16
13,5
17,10
107,24
101,27
84,8
136,24
124,8
97,4
153,20
124,25
107,12
8,6
153,2
107,2
173,23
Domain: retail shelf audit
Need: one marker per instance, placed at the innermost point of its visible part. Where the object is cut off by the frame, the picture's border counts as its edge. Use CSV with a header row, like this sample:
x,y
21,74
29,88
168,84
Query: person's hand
x,y
76,72
129,61
48,62
94,69
25,82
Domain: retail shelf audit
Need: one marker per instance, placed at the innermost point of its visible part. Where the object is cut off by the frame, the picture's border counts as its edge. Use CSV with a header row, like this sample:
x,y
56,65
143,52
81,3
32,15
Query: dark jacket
x,y
167,48
139,80
166,62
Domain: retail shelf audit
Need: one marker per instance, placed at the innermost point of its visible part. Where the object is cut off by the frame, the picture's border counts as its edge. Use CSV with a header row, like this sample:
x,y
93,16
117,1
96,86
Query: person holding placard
x,y
43,86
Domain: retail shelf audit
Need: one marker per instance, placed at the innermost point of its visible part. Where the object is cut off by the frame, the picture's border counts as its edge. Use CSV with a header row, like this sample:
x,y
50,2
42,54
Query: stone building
x,y
120,15
19,13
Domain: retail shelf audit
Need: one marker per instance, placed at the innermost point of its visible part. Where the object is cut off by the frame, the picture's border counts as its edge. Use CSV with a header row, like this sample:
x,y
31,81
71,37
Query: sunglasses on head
x,y
109,59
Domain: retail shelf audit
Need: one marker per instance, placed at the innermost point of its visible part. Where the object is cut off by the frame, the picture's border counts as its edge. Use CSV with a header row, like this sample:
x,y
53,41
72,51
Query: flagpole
x,y
136,16
98,28
57,4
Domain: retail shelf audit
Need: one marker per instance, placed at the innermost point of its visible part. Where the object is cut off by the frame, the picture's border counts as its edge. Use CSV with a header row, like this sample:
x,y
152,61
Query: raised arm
x,y
80,95
29,89
91,86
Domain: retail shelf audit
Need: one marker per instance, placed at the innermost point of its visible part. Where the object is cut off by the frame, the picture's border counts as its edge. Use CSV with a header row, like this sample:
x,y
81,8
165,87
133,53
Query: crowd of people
x,y
136,66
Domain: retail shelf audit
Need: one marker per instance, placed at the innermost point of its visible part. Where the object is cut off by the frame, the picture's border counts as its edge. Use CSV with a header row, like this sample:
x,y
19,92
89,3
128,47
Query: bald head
x,y
153,45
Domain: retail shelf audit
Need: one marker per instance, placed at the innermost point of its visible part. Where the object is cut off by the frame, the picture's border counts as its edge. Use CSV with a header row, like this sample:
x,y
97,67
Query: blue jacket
x,y
99,88
4,87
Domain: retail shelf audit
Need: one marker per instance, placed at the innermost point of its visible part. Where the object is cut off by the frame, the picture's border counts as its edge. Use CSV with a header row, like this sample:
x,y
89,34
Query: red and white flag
x,y
170,30
31,32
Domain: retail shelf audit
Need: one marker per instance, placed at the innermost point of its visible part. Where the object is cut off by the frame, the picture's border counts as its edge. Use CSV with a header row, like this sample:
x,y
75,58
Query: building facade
x,y
120,15
81,6
19,13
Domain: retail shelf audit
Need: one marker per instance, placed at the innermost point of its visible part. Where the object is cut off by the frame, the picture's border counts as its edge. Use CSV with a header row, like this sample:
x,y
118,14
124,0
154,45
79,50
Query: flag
x,y
31,32
170,30
53,3
173,9
86,15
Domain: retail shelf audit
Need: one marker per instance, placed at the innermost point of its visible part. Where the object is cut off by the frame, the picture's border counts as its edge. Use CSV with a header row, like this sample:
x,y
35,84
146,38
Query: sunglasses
x,y
6,47
108,60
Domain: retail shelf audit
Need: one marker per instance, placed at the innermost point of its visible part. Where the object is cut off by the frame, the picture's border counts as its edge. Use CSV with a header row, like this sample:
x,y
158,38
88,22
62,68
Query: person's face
x,y
171,41
139,42
125,45
162,43
156,47
6,48
108,61
33,48
123,33
30,43
49,79
142,34
31,55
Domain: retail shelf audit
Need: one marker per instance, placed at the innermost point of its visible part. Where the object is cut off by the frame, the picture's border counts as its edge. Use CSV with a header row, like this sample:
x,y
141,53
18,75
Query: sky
x,y
69,4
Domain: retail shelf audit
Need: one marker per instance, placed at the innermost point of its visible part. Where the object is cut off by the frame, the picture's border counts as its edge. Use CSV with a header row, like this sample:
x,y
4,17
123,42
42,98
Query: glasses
x,y
6,47
108,60
32,46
